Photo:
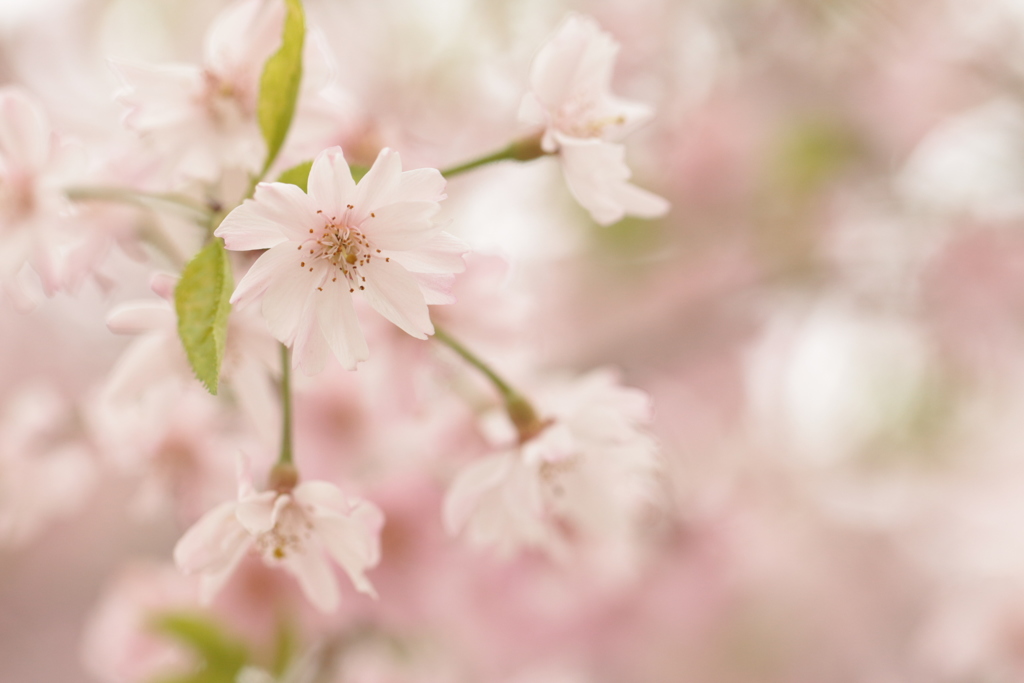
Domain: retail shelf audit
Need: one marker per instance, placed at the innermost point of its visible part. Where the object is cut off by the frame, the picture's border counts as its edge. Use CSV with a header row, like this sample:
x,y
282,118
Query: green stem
x,y
520,150
146,200
286,407
500,384
519,410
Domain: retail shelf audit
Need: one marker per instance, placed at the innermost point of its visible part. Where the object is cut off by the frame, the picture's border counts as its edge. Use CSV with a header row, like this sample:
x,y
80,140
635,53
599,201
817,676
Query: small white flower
x,y
44,475
570,96
203,117
376,238
34,164
295,529
589,472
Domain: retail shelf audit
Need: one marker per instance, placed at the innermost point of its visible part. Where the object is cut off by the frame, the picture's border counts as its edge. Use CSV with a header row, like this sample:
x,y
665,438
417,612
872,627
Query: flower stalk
x,y
520,150
520,411
286,455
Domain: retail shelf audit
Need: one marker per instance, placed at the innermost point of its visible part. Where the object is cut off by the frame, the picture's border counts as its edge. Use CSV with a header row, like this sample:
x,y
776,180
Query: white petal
x,y
352,544
315,577
404,225
140,316
280,262
576,62
378,186
244,34
322,494
234,549
436,288
330,182
202,545
394,293
421,185
285,301
258,512
311,349
476,480
340,326
597,176
25,135
278,212
444,253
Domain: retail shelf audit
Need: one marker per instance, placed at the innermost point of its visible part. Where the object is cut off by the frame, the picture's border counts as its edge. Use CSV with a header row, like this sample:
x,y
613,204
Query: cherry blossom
x,y
292,529
590,470
154,366
376,238
34,164
570,96
44,473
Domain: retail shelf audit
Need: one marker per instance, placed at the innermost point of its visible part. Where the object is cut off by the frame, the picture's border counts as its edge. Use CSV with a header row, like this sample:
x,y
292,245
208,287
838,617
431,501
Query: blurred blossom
x,y
570,98
585,475
797,461
46,469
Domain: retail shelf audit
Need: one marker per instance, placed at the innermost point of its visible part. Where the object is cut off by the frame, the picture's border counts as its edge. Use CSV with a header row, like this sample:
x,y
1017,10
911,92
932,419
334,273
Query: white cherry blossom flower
x,y
570,96
295,529
588,473
202,118
377,239
34,165
45,473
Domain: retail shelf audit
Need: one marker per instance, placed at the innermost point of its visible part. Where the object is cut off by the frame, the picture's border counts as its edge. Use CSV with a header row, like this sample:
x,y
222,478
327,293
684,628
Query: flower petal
x,y
443,253
257,512
25,135
285,302
315,578
378,186
322,494
476,480
140,316
353,543
278,212
394,293
330,182
340,326
597,176
202,545
421,185
404,225
279,262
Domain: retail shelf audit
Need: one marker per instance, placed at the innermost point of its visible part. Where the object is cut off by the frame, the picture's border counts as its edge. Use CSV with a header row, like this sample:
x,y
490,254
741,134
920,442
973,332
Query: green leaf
x,y
358,171
201,301
279,83
297,175
222,655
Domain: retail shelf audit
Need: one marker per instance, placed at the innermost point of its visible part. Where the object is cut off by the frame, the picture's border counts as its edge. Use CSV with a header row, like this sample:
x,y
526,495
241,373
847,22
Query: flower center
x,y
289,535
344,247
583,118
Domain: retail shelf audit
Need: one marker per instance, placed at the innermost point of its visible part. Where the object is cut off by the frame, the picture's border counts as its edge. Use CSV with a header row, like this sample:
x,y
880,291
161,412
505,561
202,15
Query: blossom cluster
x,y
536,342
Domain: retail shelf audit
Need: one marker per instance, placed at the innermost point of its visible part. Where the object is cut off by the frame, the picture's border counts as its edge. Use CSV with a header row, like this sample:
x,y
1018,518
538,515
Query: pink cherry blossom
x,y
34,163
376,238
295,530
44,474
204,116
570,96
591,470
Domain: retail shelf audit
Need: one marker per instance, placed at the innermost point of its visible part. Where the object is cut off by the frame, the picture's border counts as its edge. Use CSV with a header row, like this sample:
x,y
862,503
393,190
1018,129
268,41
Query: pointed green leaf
x,y
201,301
358,171
297,175
222,655
279,83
